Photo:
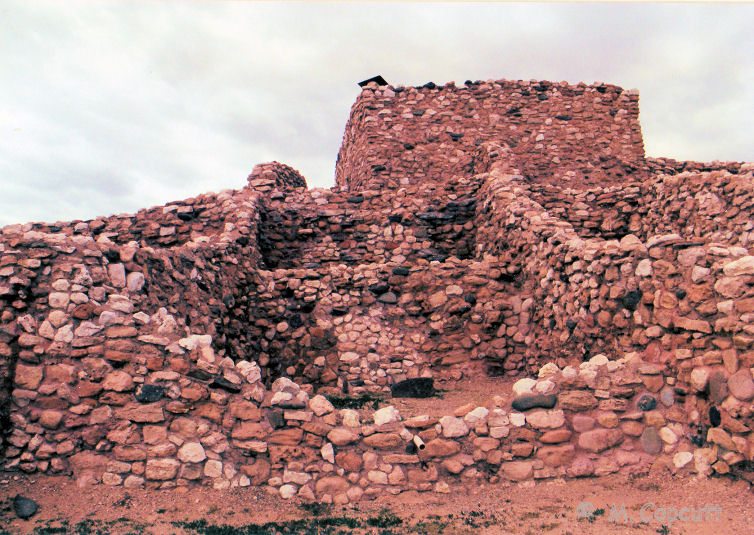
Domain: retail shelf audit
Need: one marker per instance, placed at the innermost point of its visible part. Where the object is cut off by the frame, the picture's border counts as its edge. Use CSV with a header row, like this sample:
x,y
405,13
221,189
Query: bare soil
x,y
548,507
477,390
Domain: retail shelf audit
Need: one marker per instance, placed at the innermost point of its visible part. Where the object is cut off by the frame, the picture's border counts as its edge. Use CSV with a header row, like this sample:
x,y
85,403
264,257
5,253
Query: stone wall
x,y
65,296
559,133
602,417
195,342
711,205
591,295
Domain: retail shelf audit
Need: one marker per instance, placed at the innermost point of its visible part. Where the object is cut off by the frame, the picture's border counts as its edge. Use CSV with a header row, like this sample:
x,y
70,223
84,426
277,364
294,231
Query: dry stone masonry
x,y
502,228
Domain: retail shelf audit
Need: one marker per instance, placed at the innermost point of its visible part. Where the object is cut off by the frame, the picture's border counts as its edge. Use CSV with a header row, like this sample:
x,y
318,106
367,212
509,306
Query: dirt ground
x,y
552,507
477,389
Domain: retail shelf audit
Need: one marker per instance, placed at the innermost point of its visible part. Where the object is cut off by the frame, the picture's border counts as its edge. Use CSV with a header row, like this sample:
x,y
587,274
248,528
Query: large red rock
x,y
556,455
87,460
51,418
577,400
440,448
331,485
287,437
161,469
600,439
349,461
28,377
258,472
118,381
247,430
517,470
383,441
244,410
148,413
340,436
741,385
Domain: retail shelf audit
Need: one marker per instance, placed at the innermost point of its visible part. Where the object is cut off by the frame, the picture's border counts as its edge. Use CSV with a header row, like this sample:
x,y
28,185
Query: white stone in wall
x,y
644,269
499,432
300,478
725,307
328,453
386,415
46,330
598,360
250,371
742,266
108,317
699,273
79,298
546,418
64,334
548,370
475,416
213,468
120,303
682,458
544,387
453,427
168,326
517,419
320,405
278,398
349,357
350,417
569,372
194,341
117,273
497,417
524,386
58,299
667,435
86,329
699,378
191,452
135,281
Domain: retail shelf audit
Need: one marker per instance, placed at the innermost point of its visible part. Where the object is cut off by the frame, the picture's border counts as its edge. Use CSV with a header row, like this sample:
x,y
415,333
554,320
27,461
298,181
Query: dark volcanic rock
x,y
525,402
276,417
223,383
421,387
201,375
647,403
149,393
379,288
715,418
24,507
631,299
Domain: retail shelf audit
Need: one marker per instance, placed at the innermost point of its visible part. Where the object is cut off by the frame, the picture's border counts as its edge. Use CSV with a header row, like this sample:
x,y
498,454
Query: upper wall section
x,y
276,174
559,133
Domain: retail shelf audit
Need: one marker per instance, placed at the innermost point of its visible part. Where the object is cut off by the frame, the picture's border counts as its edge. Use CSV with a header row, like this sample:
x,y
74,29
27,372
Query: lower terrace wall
x,y
602,417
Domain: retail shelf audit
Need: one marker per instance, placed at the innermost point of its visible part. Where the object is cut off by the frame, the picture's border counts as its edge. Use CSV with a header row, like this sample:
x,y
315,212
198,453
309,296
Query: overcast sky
x,y
108,107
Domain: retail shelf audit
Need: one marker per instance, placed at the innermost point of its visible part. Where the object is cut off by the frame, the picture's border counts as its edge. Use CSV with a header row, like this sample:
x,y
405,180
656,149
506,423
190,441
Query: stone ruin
x,y
507,228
